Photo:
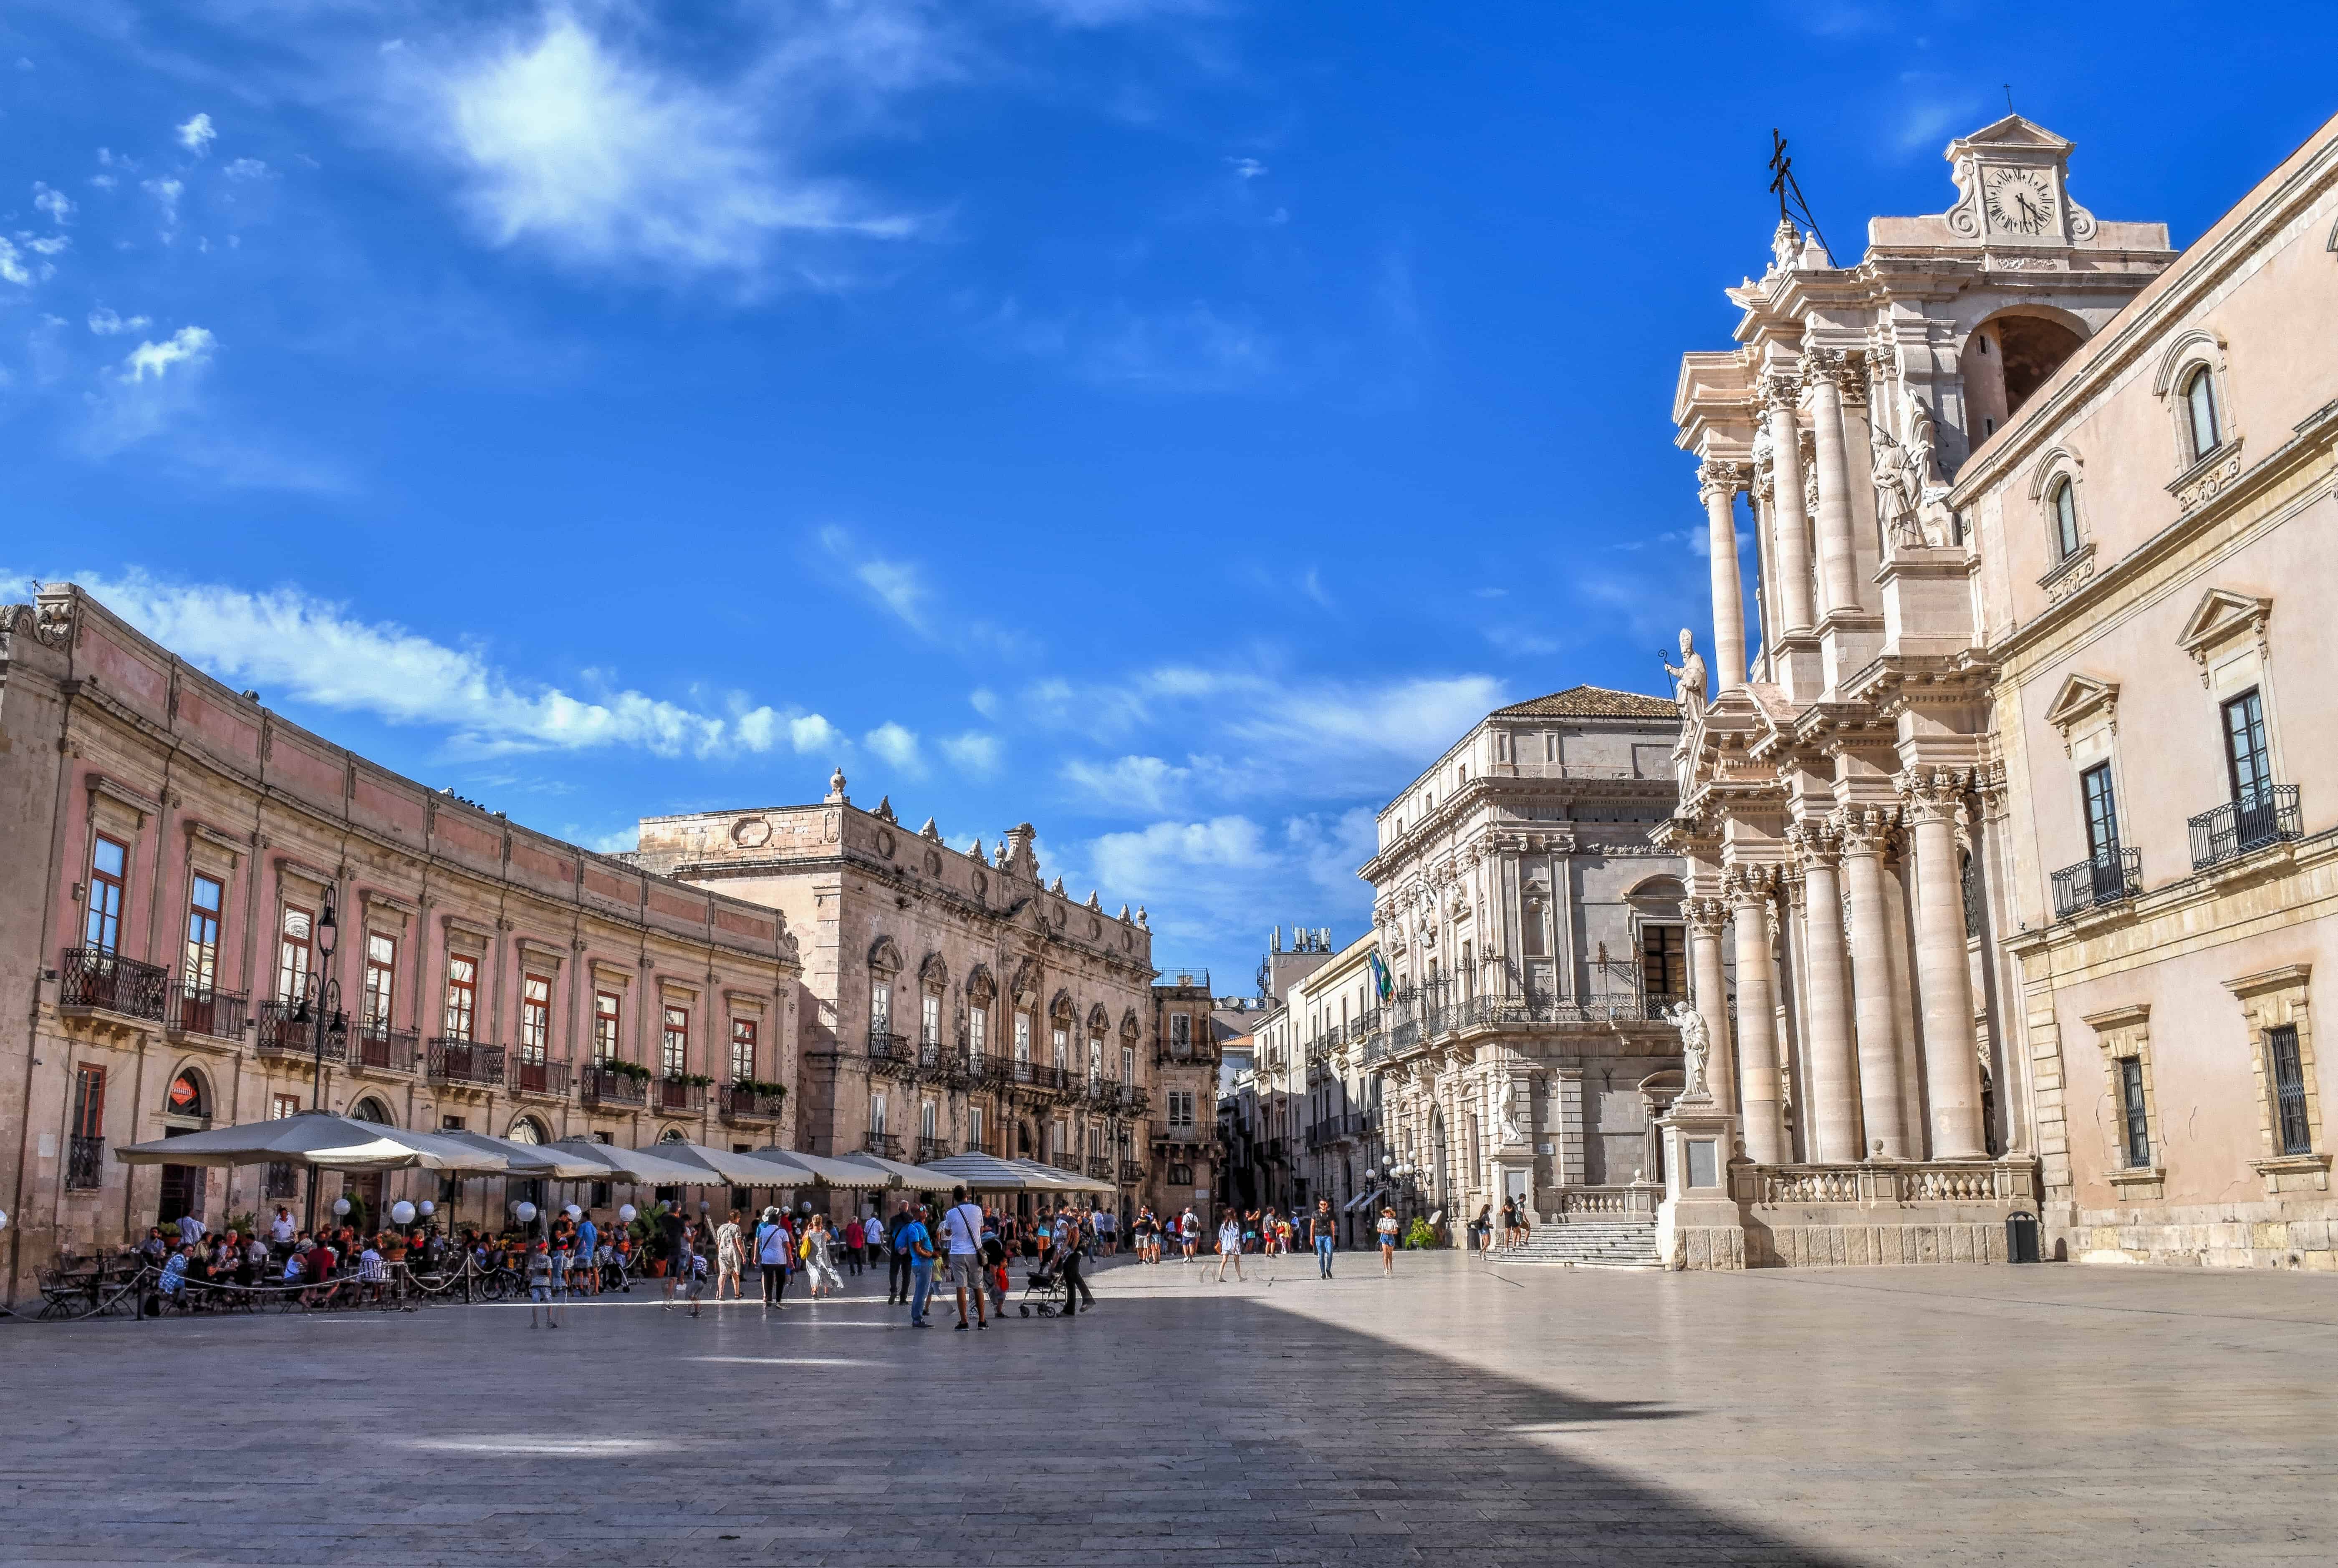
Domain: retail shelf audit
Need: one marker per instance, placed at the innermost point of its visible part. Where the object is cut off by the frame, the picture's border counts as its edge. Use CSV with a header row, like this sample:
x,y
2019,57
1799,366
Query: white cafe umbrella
x,y
538,1161
736,1169
916,1177
986,1173
636,1165
316,1138
1064,1180
843,1174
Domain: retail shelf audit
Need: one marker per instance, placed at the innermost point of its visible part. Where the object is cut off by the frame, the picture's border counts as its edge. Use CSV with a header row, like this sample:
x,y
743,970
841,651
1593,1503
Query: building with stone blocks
x,y
1182,1161
2151,583
957,1000
1846,811
1334,1112
1533,936
167,849
1257,1104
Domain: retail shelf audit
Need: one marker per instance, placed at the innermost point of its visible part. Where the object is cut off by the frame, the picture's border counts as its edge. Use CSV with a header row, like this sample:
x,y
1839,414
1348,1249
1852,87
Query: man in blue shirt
x,y
917,1243
588,1255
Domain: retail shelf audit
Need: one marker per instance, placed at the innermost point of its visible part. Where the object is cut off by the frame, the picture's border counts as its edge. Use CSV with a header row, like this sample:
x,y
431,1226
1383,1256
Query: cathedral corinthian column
x,y
1863,831
1748,889
1780,390
1823,369
1934,799
1834,1097
1718,484
1710,990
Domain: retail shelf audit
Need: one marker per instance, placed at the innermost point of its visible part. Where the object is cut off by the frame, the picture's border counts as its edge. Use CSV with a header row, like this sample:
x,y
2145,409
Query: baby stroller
x,y
1044,1289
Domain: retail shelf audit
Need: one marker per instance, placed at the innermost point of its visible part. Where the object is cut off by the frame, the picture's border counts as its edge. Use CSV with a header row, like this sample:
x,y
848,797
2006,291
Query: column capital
x,y
1828,366
1705,916
1815,843
1864,830
1748,887
1780,388
1933,795
1715,477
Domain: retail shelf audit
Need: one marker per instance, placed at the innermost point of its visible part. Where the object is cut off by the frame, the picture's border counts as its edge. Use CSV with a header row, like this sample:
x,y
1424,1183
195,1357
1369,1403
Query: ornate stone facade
x,y
168,848
956,1000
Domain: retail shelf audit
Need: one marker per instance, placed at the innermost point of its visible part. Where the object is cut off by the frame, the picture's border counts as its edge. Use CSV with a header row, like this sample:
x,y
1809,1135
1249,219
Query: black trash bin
x,y
2022,1238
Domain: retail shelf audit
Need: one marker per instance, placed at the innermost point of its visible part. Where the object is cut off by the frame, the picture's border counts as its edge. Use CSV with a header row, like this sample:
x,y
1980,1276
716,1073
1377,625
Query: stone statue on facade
x,y
1905,498
1507,1113
1696,1049
1688,677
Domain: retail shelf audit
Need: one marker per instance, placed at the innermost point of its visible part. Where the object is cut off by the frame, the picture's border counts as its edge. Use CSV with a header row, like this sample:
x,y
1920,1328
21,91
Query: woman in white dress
x,y
820,1258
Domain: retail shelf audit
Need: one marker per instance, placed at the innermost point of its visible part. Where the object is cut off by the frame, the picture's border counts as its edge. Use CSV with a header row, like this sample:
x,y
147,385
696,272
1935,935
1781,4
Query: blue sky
x,y
1167,421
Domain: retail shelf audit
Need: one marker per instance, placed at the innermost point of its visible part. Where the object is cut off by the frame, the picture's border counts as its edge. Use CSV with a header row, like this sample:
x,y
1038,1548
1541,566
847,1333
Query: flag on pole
x,y
1381,985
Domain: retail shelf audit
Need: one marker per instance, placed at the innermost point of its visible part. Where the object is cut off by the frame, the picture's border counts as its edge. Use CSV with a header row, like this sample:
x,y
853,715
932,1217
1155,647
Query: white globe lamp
x,y
525,1210
573,1212
401,1212
429,1207
626,1212
340,1208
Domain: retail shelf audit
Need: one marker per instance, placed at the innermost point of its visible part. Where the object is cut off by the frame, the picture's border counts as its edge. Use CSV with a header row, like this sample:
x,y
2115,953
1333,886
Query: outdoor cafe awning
x,y
1061,1181
634,1165
316,1138
986,1173
913,1178
543,1161
736,1169
842,1174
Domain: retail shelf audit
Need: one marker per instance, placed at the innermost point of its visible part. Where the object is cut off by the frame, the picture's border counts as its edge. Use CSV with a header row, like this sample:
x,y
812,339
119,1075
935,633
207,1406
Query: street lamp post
x,y
319,1006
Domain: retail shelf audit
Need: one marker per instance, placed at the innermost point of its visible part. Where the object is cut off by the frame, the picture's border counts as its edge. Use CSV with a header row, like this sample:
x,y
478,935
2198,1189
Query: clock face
x,y
2020,200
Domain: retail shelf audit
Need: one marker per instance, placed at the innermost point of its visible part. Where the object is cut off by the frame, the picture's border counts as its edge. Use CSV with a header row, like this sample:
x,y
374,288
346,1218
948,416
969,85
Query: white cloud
x,y
1246,168
294,647
895,745
197,135
984,701
974,753
55,203
813,733
606,158
1193,348
1214,883
1129,783
11,266
898,587
246,169
189,345
166,194
105,323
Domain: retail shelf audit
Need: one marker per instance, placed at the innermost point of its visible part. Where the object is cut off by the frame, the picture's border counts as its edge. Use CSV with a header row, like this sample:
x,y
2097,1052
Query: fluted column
x,y
1780,388
1864,830
1717,485
1748,889
1708,988
1823,369
1833,1095
1934,800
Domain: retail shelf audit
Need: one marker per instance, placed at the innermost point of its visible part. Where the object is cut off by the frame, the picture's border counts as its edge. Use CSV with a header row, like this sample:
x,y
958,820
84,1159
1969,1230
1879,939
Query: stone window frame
x,y
2124,1033
2271,999
2059,466
2200,347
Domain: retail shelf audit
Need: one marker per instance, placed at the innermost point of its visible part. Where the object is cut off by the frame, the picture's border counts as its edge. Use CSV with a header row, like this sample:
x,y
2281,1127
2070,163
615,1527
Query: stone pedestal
x,y
1698,1224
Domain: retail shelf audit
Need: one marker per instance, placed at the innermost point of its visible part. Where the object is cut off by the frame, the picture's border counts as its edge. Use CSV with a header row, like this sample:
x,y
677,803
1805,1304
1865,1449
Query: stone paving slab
x,y
1457,1413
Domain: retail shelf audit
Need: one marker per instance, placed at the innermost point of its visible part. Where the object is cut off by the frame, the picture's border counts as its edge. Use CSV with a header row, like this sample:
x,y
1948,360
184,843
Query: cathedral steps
x,y
1587,1244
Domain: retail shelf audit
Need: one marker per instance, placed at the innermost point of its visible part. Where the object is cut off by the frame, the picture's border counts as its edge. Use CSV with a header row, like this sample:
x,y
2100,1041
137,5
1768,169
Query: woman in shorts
x,y
1388,1241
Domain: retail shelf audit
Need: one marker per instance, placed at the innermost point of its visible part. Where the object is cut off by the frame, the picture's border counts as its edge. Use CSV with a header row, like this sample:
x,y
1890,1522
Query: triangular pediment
x,y
2080,697
2220,615
2013,131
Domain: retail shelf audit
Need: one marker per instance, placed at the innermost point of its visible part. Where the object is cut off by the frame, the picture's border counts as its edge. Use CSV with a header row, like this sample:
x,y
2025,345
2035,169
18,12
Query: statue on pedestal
x,y
1688,677
1696,1049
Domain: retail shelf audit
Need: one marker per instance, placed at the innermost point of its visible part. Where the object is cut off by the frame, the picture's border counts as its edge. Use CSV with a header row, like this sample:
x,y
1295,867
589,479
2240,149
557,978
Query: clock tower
x,y
2012,188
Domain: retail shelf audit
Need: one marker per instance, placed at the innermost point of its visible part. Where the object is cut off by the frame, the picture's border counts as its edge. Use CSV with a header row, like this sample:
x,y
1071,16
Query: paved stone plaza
x,y
1951,1414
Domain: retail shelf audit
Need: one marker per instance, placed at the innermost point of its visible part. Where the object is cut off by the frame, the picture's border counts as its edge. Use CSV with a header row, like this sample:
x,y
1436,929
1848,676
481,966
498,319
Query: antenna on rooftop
x,y
1789,191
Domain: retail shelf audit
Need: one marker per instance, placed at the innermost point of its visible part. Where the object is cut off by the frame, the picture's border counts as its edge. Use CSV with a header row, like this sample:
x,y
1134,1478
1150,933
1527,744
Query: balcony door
x,y
2248,768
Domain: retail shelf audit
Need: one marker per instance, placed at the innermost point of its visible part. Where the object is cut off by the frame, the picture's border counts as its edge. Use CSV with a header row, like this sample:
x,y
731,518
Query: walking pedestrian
x,y
962,1239
852,1245
730,1257
671,1243
916,1243
1388,1241
897,1288
993,1270
1322,1230
1068,1259
771,1257
1229,1244
588,1278
820,1258
541,1270
1189,1233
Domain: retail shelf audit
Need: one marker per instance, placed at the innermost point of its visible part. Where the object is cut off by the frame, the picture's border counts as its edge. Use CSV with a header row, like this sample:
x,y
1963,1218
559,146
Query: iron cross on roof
x,y
1792,207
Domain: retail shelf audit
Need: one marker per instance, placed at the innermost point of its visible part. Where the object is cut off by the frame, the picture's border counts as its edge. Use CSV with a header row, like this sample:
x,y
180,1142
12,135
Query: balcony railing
x,y
887,1047
202,1011
93,977
751,1104
1070,1162
1131,1173
607,1086
2107,877
669,1093
379,1048
1100,1167
85,1164
2238,827
1181,1132
549,1079
933,1149
884,1143
282,1034
464,1061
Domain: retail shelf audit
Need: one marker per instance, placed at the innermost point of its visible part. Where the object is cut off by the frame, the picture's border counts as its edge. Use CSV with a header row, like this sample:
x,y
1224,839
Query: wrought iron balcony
x,y
2107,877
607,1086
2239,828
1100,1167
287,1029
85,1164
1131,1173
887,1049
670,1091
201,1010
91,978
463,1062
549,1078
379,1048
884,1143
932,1148
751,1104
1181,1132
1070,1162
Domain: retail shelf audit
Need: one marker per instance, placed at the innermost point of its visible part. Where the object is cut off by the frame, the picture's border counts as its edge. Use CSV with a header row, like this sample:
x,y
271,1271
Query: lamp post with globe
x,y
318,1005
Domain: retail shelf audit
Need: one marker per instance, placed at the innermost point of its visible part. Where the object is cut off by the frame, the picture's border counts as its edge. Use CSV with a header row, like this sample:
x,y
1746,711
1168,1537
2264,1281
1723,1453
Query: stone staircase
x,y
1589,1244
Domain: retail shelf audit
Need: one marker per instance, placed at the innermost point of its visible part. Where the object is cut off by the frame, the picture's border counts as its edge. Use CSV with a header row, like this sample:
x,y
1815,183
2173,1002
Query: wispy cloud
x,y
1195,347
898,746
974,754
196,135
1212,882
293,646
189,347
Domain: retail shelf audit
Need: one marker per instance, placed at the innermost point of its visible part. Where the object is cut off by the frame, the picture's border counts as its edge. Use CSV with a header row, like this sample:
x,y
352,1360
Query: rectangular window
x,y
1128,1066
2102,813
1059,1137
295,942
1022,1036
2289,1090
674,1047
89,1103
283,1105
928,1118
535,1018
2245,759
462,995
1664,960
1181,1033
1181,1108
1535,932
380,979
605,1026
742,1049
1095,1060
975,1120
2138,1124
1550,748
880,1009
109,865
977,1031
1060,1043
929,1020
199,970
877,1114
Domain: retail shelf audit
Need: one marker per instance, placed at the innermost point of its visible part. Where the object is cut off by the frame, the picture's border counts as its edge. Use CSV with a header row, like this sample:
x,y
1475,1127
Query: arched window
x,y
188,1095
2065,520
2200,405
